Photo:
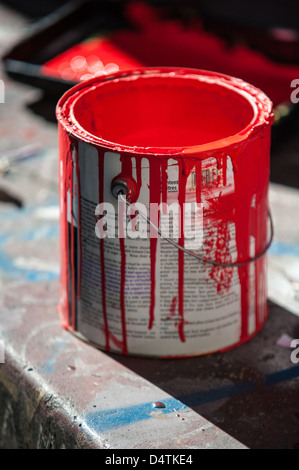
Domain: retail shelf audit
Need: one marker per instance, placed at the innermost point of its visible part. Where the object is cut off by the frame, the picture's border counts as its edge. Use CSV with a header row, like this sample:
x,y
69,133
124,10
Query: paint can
x,y
143,144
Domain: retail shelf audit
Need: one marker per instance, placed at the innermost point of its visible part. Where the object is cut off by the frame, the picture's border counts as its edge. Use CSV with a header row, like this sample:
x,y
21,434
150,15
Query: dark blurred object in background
x,y
257,41
34,8
257,14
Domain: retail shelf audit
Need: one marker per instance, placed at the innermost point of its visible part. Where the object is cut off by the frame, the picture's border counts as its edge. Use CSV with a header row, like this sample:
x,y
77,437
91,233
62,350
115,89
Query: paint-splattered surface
x,y
59,392
284,253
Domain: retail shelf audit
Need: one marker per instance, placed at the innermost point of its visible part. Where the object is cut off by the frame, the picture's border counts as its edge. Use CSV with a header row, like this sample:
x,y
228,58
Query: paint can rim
x,y
261,105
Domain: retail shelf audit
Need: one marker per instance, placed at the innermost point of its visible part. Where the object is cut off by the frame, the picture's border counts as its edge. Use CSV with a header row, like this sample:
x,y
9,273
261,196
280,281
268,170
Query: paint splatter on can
x,y
164,139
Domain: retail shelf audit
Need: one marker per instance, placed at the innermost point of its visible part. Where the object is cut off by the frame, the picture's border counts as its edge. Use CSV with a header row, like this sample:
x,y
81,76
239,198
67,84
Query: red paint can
x,y
164,138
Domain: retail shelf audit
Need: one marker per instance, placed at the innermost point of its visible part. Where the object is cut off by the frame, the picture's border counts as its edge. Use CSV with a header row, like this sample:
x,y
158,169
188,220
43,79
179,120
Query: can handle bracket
x,y
126,186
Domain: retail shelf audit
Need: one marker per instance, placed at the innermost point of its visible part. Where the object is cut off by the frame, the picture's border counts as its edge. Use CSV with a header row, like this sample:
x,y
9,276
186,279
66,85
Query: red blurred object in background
x,y
159,41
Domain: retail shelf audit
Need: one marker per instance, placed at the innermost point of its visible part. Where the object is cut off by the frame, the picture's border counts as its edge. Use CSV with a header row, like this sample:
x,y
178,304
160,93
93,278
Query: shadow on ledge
x,y
250,392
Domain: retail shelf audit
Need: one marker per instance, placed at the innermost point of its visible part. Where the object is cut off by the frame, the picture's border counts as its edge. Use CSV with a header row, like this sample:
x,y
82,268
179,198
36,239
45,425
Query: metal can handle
x,y
122,194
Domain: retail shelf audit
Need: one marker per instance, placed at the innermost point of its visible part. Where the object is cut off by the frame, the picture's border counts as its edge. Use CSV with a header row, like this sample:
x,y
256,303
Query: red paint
x,y
155,198
93,57
143,119
102,254
103,289
117,342
65,176
138,172
126,169
68,188
157,39
198,170
173,306
121,219
121,344
127,172
164,166
181,200
73,272
79,223
135,117
224,170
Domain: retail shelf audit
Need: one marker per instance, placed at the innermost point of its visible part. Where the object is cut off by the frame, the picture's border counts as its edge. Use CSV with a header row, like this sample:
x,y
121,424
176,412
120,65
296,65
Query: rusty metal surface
x,y
58,392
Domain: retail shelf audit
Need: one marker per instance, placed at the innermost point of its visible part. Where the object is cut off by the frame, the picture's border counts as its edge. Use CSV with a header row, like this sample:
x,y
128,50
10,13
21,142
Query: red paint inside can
x,y
164,113
215,130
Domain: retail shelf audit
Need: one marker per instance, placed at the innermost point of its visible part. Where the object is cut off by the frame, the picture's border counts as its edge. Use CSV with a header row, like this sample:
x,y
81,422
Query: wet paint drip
x,y
78,195
181,199
67,189
72,272
173,306
172,310
198,178
164,176
66,172
224,170
102,253
242,204
139,172
155,198
109,336
127,172
245,188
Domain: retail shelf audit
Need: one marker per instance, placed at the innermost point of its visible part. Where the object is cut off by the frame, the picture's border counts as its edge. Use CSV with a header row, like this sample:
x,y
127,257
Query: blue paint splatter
x,y
9,268
107,420
49,366
279,249
42,232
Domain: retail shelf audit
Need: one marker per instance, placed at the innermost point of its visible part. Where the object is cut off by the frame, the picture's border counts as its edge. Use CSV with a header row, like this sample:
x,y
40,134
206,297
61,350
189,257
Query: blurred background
x,y
50,45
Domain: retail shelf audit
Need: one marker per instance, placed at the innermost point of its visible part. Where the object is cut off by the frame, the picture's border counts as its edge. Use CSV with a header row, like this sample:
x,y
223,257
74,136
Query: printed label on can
x,y
142,295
